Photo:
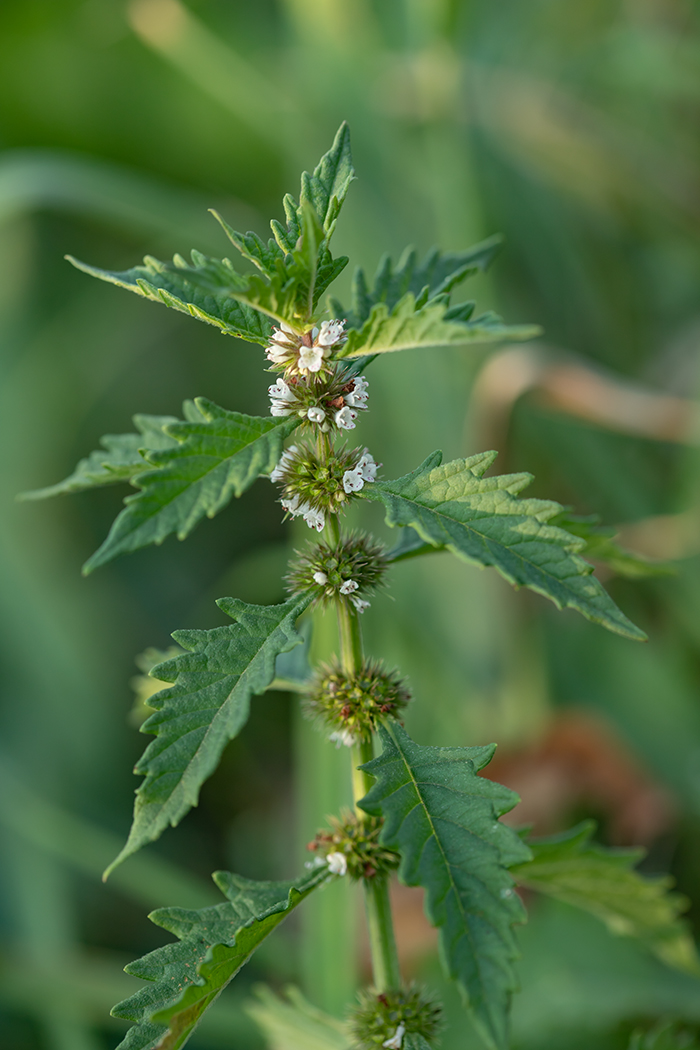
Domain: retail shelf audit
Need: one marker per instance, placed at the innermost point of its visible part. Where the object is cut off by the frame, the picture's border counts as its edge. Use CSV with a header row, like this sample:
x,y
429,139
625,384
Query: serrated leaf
x,y
119,460
603,881
214,458
206,706
438,273
482,521
409,325
294,1024
601,547
443,819
214,943
184,288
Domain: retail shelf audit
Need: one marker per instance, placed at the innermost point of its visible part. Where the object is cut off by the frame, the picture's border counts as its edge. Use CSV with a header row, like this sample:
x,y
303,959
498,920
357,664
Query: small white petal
x,y
342,737
331,333
348,587
359,603
396,1040
345,418
285,328
277,409
315,519
320,578
316,415
337,863
311,358
353,480
367,467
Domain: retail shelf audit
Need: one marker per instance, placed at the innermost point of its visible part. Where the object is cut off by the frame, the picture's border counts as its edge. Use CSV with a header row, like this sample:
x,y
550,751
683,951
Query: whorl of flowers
x,y
382,1019
305,353
328,401
356,840
352,705
314,485
347,572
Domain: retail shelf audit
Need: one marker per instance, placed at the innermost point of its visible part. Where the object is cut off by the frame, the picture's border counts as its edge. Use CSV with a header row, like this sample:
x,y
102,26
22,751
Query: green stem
x,y
385,960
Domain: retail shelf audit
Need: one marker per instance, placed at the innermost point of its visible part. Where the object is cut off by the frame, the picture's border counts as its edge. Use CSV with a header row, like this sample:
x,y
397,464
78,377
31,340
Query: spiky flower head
x,y
314,485
328,401
357,840
305,353
352,705
381,1019
347,572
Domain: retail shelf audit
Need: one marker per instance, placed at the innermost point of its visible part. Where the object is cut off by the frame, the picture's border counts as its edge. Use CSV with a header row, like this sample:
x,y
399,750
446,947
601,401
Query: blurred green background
x,y
571,127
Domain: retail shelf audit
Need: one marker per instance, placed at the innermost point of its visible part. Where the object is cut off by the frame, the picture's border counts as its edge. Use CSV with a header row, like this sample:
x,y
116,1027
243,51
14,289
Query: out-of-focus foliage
x,y
571,129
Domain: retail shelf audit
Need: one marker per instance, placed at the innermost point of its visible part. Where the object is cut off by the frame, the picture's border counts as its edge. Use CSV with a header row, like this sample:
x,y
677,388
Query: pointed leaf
x,y
207,705
215,458
603,881
409,325
438,272
119,460
214,943
443,818
482,521
191,290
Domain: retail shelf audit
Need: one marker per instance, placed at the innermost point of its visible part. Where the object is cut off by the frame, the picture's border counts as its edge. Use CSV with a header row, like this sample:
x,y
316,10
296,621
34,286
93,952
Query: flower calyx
x,y
353,705
305,353
314,485
382,1019
350,571
351,846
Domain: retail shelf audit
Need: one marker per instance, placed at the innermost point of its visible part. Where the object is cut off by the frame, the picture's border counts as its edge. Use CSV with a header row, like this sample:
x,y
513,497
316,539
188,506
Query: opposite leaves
x,y
443,819
603,881
207,706
213,457
214,943
482,521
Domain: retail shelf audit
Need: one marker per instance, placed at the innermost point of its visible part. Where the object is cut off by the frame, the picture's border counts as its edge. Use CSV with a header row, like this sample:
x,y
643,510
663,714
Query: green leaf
x,y
192,290
207,705
601,547
443,818
294,1024
482,521
119,460
214,458
436,274
409,325
325,191
214,943
603,881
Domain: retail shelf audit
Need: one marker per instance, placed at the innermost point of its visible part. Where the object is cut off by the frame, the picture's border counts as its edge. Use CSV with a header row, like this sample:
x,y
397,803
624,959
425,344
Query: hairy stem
x,y
385,960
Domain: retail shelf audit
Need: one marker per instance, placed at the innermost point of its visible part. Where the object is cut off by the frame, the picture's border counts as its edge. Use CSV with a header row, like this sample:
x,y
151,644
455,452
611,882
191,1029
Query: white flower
x,y
367,467
284,461
353,480
293,507
331,332
359,603
320,578
348,587
396,1040
311,358
337,863
345,418
282,397
342,737
315,519
316,415
277,354
357,398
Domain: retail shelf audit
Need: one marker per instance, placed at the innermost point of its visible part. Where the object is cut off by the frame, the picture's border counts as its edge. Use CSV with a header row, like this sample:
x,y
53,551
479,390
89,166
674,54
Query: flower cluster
x,y
330,402
352,705
306,352
382,1019
351,847
354,568
315,485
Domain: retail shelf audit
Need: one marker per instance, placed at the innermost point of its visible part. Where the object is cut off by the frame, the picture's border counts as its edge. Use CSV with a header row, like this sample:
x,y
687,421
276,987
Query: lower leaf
x,y
213,944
